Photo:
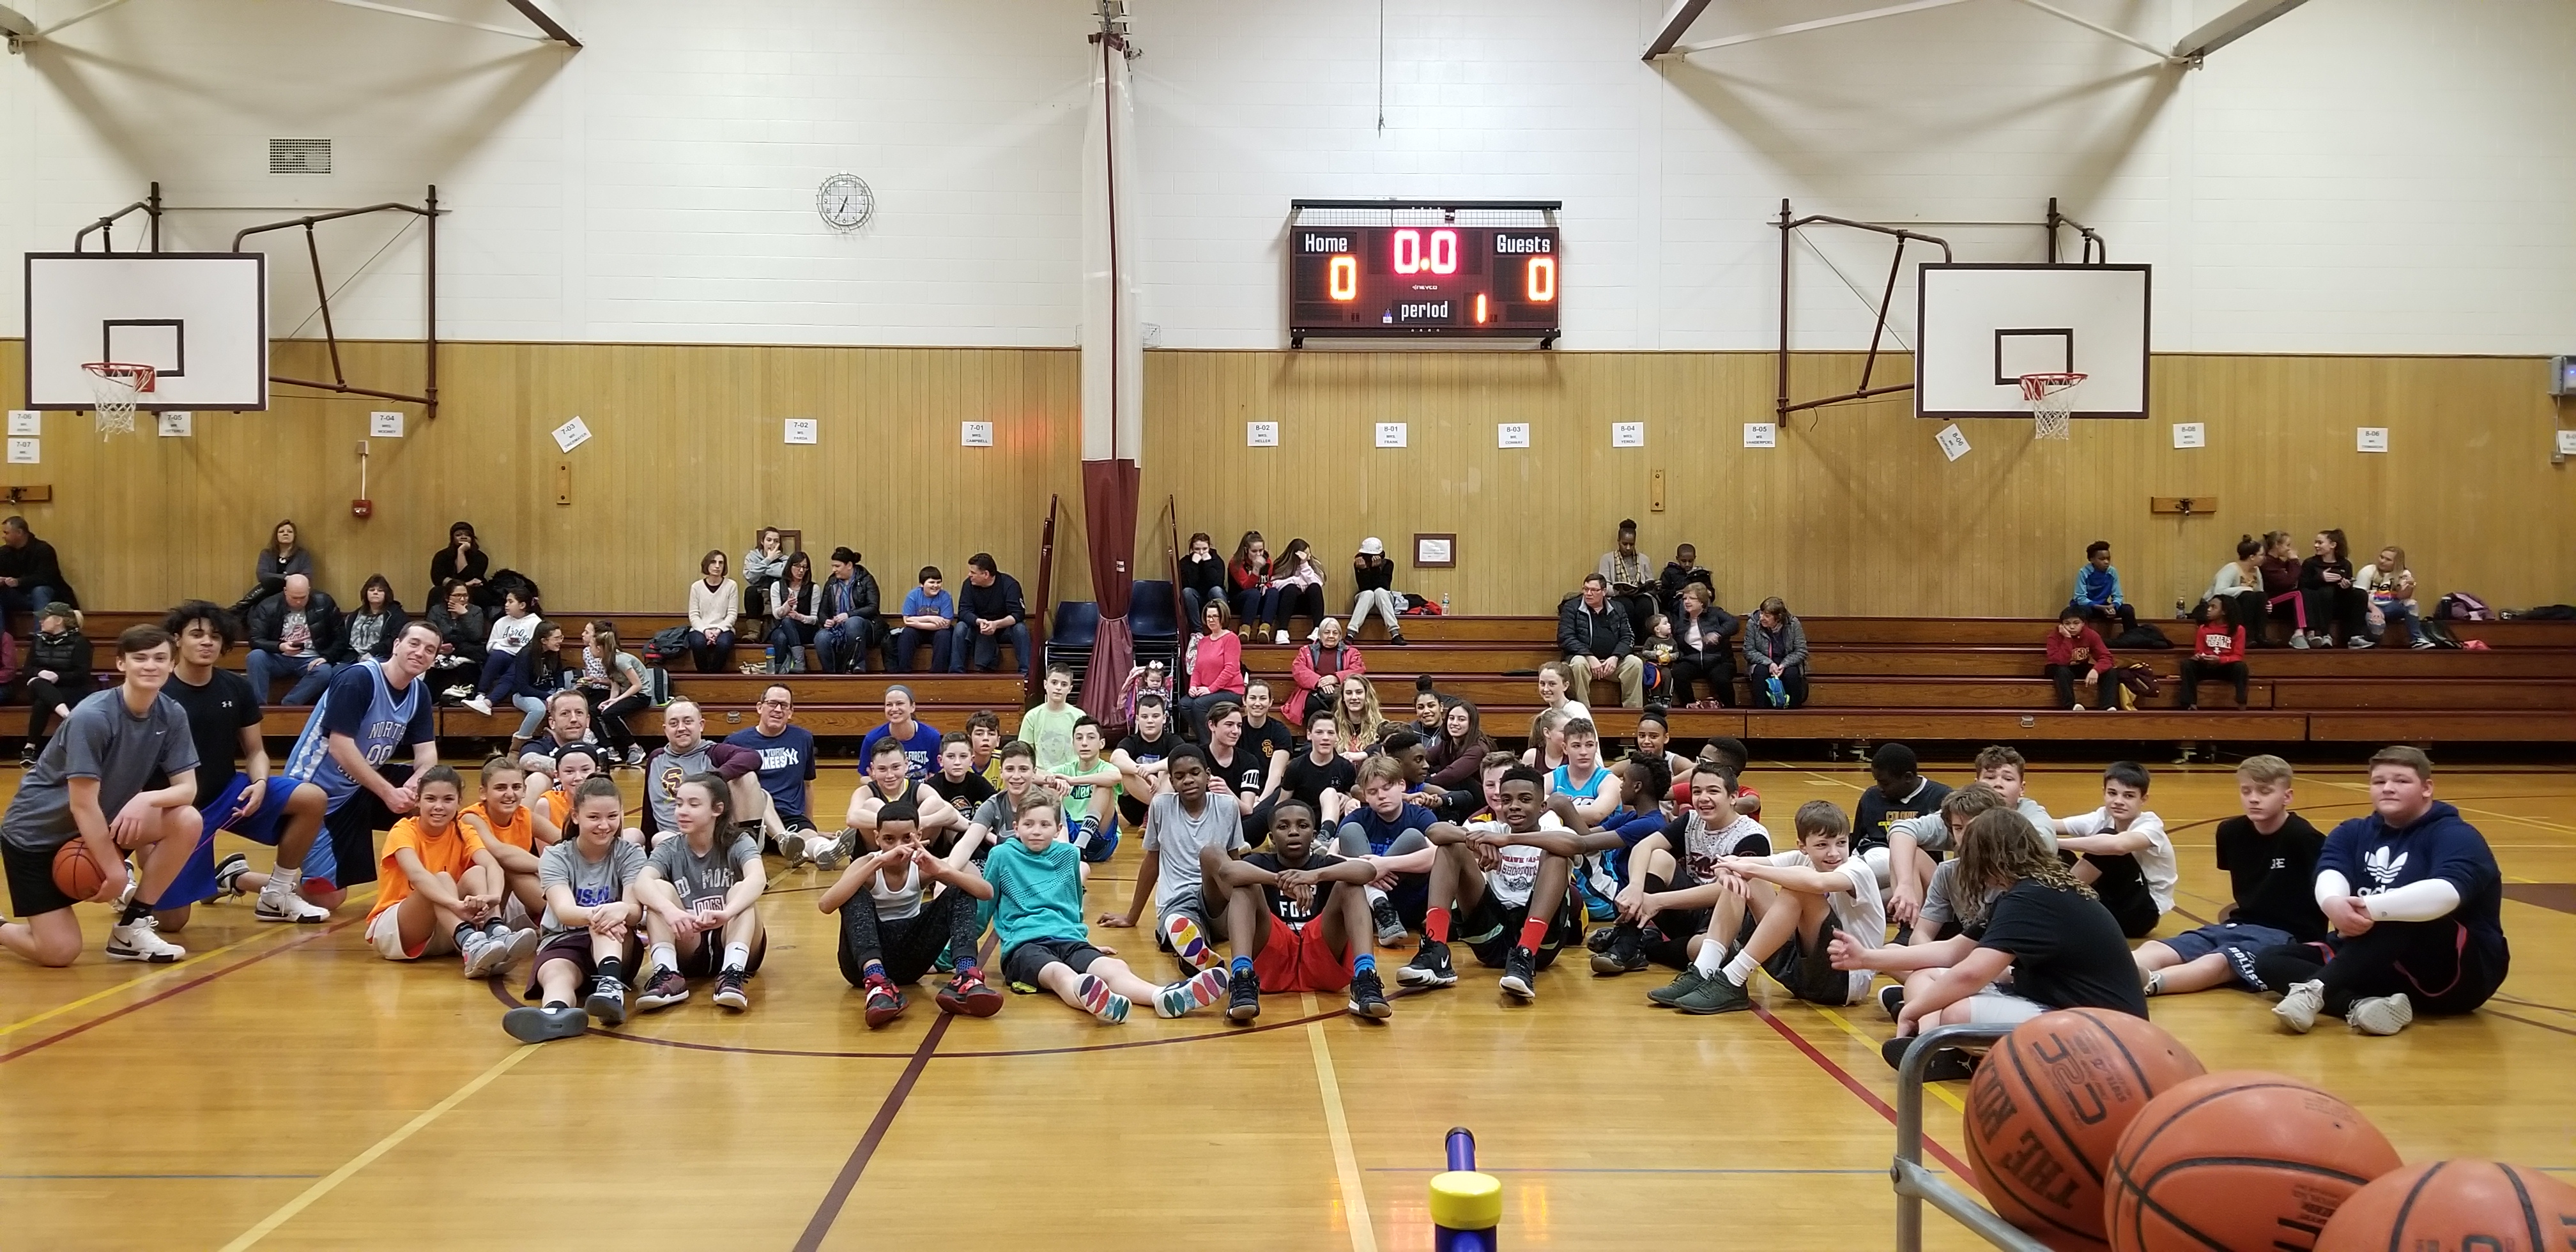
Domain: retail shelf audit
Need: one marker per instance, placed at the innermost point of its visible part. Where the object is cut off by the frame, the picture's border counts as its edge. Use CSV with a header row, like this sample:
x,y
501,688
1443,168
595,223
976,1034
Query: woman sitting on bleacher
x,y
56,674
2391,588
2280,566
1326,658
797,604
2334,601
1202,579
1704,636
1775,656
612,680
2237,587
282,556
715,603
376,622
1373,585
1301,588
1213,667
762,567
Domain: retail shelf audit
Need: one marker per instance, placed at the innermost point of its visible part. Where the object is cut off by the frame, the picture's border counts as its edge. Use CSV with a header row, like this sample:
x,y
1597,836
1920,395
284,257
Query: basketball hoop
x,y
113,386
2052,402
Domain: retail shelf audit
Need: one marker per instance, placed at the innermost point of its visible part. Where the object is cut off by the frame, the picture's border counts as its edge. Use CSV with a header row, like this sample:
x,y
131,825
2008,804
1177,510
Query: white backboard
x,y
200,318
1983,326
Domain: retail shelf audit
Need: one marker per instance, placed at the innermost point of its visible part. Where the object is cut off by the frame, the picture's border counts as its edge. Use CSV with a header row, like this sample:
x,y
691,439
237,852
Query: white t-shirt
x,y
1699,847
1517,875
1931,831
1858,909
2156,860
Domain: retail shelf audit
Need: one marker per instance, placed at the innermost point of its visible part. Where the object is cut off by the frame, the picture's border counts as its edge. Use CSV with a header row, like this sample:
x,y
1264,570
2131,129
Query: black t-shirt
x,y
966,795
2067,951
218,713
1869,824
1268,737
2274,875
1308,781
1281,906
1246,774
1144,752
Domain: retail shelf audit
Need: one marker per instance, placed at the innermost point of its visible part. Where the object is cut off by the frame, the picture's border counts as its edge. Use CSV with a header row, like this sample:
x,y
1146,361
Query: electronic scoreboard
x,y
1375,269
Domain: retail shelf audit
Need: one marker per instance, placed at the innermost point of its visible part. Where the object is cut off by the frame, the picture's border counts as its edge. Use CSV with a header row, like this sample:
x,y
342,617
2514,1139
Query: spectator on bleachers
x,y
989,611
2237,587
1595,637
2217,651
850,622
511,633
541,676
461,628
1556,687
1459,748
2097,588
796,606
296,635
1301,588
1202,579
2074,647
378,619
762,567
929,616
1327,657
1256,597
1680,574
2335,604
1704,638
282,556
31,575
1623,569
1214,668
1373,581
56,674
1775,656
2391,588
462,561
2280,566
1362,722
715,602
612,681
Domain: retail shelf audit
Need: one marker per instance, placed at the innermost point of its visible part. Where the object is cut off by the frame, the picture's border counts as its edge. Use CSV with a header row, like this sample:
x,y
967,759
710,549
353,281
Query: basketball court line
x,y
157,997
131,983
1854,1085
847,1181
286,1212
150,1177
1570,1169
1937,1089
1346,1160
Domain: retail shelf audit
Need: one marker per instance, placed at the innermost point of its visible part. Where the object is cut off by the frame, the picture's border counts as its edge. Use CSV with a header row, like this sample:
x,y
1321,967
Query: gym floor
x,y
283,1088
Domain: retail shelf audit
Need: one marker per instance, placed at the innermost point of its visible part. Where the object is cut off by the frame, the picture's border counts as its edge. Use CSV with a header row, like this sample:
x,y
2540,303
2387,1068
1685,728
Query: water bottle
x,y
769,658
1444,604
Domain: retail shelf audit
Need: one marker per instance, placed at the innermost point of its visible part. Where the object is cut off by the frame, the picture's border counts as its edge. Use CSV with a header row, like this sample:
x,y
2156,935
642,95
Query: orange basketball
x,y
75,874
2239,1160
2048,1105
2451,1205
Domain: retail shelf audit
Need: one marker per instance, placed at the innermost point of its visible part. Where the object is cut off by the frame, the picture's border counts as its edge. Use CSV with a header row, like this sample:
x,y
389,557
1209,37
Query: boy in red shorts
x,y
1316,936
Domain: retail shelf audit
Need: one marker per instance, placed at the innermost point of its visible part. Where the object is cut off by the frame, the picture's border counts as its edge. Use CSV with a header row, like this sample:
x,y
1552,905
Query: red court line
x,y
830,1209
157,997
1866,1095
2511,1018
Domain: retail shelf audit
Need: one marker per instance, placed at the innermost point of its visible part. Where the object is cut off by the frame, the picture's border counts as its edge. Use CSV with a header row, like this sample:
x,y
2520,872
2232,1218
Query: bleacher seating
x,y
1941,679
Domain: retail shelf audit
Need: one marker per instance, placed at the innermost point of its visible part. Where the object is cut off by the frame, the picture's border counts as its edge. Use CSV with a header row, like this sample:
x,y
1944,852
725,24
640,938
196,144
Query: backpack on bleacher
x,y
666,644
2462,607
2142,635
2137,684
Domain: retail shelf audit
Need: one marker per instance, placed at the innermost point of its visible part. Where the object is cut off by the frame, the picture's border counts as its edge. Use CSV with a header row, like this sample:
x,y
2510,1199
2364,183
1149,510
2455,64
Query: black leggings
x,y
1715,669
908,946
608,717
2064,676
2338,611
2194,670
2431,963
42,696
1305,602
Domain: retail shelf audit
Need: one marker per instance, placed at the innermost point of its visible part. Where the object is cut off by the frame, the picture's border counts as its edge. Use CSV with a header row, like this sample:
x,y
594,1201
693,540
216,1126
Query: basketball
x,y
2049,1103
2239,1159
76,873
2454,1204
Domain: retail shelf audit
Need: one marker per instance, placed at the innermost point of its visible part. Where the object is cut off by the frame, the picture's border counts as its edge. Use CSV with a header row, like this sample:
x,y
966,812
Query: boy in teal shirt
x,y
1037,897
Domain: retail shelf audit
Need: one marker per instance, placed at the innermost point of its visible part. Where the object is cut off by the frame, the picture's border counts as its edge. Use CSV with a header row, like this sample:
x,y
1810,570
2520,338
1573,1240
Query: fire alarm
x,y
361,508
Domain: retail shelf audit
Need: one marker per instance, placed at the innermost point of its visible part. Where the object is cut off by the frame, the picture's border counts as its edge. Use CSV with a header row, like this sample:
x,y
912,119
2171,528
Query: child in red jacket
x,y
2217,651
2073,648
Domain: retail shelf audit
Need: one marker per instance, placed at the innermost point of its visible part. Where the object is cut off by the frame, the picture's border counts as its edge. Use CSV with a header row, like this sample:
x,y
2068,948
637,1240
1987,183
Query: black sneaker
x,y
1520,971
533,1025
1946,1065
1429,967
1243,996
1368,996
1390,926
1598,938
1891,999
1624,954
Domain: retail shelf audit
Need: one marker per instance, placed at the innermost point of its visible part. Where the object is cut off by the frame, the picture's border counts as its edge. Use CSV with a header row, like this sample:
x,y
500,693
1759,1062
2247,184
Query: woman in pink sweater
x,y
1215,669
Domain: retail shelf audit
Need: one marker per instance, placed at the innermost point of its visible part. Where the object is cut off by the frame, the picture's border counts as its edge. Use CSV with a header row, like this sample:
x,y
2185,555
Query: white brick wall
x,y
2364,176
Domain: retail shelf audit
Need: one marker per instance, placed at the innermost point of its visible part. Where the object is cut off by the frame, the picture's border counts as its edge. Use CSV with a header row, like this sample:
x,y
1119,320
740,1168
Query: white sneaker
x,y
289,906
2299,641
793,850
484,956
140,940
1282,637
480,704
2379,1015
2300,1005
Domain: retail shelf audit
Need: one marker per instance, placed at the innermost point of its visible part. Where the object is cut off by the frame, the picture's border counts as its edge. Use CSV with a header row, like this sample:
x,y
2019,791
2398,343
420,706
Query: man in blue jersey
x,y
370,710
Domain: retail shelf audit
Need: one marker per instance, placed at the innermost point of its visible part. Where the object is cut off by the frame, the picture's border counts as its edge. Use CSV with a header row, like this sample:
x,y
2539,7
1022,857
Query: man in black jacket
x,y
850,615
1595,637
989,610
296,634
31,577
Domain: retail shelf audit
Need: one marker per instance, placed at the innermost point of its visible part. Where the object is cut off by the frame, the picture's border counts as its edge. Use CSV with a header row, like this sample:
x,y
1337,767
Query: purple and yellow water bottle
x,y
1466,1206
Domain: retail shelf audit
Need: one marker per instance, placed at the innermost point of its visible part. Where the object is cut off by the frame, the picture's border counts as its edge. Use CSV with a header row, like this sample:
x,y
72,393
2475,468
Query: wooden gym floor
x,y
282,1088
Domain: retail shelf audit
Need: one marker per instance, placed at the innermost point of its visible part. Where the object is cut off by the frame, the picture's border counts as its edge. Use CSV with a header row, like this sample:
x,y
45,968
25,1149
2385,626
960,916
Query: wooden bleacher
x,y
1958,679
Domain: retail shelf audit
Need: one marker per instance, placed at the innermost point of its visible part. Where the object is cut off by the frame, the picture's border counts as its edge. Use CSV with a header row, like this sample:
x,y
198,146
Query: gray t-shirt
x,y
593,883
702,881
663,773
128,755
997,813
1170,830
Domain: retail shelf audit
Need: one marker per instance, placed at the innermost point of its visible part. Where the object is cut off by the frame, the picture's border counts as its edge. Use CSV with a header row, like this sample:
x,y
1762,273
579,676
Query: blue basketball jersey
x,y
363,706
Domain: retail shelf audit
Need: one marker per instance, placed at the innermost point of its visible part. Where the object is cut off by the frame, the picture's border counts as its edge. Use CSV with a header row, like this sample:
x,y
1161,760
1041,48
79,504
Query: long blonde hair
x,y
1358,730
2000,848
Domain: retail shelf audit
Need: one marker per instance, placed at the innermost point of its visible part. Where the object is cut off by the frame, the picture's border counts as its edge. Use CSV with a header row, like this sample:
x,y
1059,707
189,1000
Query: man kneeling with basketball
x,y
90,785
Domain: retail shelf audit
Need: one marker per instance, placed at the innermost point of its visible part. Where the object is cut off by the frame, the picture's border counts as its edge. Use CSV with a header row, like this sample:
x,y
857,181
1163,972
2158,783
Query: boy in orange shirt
x,y
508,830
442,889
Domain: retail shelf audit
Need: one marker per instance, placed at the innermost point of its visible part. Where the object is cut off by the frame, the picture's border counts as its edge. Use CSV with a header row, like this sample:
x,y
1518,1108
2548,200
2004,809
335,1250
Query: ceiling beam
x,y
2234,24
1677,22
2100,29
545,22
1842,19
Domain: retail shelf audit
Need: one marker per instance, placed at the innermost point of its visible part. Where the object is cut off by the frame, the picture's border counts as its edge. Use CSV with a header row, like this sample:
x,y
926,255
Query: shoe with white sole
x,y
290,907
2379,1015
2300,1005
480,704
140,940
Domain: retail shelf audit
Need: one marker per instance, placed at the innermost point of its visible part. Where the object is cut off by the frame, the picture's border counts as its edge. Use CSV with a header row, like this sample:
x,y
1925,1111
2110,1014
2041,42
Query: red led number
x,y
1344,281
1411,258
1541,279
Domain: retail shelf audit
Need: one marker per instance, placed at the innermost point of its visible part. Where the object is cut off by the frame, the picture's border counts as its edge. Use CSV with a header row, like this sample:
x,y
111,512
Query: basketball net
x,y
114,387
2052,403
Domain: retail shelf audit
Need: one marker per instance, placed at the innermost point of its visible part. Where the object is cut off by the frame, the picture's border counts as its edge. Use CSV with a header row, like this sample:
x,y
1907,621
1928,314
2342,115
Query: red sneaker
x,y
968,993
884,1003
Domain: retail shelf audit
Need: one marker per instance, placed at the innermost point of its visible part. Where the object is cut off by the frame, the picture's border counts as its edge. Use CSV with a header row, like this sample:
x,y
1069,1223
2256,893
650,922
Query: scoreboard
x,y
1371,269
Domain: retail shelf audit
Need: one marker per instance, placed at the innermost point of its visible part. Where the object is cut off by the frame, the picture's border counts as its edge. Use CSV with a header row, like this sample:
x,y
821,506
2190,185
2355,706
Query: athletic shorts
x,y
573,946
384,934
1808,970
1299,960
32,892
1024,963
2238,940
1668,936
264,825
708,959
1995,1007
1493,928
349,833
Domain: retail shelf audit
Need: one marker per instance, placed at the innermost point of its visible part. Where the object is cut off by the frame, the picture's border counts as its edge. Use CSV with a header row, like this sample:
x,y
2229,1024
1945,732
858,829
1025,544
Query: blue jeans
x,y
1258,607
2403,611
1194,610
844,647
27,600
265,667
967,644
535,708
908,641
787,636
500,676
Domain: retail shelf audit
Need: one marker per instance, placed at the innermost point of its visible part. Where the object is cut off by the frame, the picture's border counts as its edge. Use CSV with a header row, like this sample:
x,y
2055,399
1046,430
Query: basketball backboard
x,y
199,319
1983,326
